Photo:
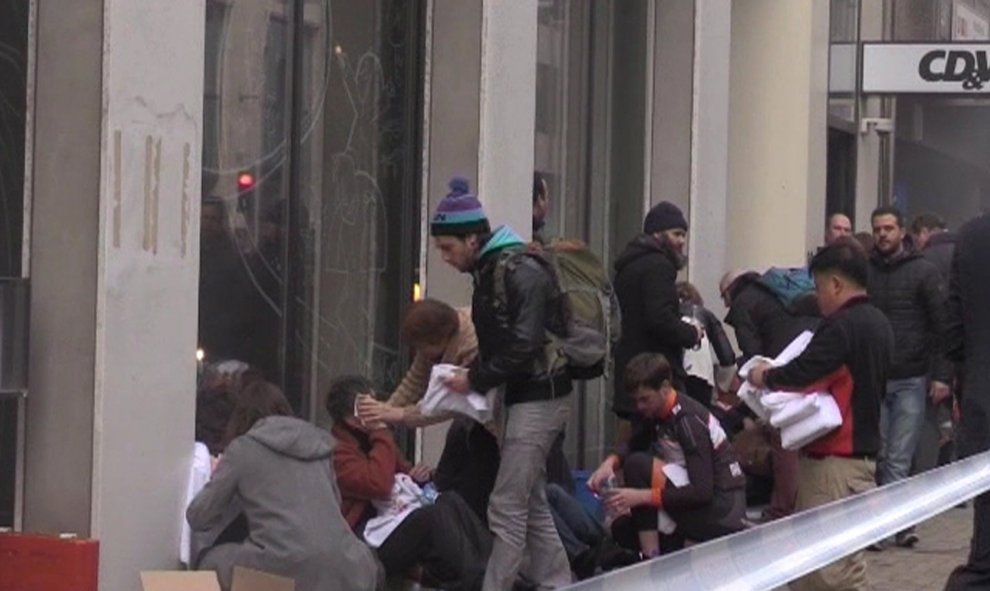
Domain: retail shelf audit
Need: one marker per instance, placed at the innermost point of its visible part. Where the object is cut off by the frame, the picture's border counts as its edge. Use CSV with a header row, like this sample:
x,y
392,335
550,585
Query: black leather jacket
x,y
512,336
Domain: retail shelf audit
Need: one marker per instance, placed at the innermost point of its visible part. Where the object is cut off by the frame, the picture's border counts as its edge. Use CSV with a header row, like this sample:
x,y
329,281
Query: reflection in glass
x,y
13,108
311,210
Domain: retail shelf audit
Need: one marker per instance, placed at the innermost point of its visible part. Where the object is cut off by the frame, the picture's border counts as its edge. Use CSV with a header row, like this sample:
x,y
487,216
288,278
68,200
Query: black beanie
x,y
664,216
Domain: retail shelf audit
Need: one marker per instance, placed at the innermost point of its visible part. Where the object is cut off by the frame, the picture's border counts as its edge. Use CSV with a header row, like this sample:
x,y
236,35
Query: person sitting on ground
x,y
216,396
294,531
446,540
693,306
712,503
439,333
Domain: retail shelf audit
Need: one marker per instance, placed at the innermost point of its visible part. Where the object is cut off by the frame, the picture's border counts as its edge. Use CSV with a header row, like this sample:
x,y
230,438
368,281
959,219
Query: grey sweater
x,y
280,476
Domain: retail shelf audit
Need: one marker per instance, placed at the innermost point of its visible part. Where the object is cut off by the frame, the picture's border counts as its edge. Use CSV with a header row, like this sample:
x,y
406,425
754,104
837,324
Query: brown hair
x,y
256,401
429,321
687,292
647,370
865,240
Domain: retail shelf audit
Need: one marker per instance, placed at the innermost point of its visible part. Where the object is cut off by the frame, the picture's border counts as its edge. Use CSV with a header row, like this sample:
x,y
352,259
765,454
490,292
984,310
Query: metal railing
x,y
771,555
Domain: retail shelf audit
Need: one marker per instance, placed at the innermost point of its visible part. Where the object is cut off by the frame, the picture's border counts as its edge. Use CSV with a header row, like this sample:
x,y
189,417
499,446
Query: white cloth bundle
x,y
406,497
199,475
439,398
698,361
801,418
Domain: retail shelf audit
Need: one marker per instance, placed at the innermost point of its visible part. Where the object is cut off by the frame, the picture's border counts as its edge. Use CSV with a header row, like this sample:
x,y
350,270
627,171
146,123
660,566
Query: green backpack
x,y
592,309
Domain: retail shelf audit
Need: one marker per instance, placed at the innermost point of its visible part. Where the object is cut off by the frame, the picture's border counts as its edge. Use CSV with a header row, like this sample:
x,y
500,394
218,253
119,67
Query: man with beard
x,y
909,291
646,286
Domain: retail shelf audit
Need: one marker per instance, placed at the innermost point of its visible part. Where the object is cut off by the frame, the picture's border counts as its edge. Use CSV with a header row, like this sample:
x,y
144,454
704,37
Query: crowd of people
x,y
892,315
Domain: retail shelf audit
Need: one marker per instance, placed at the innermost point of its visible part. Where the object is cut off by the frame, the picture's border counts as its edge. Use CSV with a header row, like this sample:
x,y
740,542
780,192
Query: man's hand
x,y
600,476
621,501
758,374
371,411
939,392
458,382
421,473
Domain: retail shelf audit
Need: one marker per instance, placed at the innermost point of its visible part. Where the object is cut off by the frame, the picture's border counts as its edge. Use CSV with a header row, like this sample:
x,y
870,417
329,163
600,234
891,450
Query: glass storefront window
x,y
591,122
311,206
13,108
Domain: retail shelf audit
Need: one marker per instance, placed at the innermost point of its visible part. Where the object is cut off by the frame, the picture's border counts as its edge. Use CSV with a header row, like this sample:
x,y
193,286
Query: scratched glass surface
x,y
315,279
13,100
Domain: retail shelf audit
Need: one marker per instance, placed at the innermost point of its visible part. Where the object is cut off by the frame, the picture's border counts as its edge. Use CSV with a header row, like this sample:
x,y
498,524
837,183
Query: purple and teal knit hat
x,y
459,213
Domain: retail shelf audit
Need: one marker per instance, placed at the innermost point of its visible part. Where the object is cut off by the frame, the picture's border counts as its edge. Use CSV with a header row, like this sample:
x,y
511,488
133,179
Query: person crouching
x,y
675,437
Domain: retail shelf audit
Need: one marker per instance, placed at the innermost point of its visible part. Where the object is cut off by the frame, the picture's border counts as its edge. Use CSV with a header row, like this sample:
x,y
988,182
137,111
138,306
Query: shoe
x,y
612,556
876,547
584,564
906,539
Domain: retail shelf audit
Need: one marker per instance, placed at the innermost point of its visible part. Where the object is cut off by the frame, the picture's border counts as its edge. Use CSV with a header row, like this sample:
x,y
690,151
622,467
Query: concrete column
x,y
508,112
709,153
114,305
480,112
777,131
868,145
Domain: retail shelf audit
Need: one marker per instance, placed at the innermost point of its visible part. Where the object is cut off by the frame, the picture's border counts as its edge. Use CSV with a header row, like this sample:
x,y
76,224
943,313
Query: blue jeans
x,y
902,418
579,531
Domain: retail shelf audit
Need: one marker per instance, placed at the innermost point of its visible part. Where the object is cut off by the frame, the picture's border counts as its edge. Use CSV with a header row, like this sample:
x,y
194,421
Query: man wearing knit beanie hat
x,y
511,321
645,284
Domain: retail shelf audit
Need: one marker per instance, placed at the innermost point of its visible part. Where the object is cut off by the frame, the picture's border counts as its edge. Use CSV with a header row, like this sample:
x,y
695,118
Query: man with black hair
x,y
910,292
848,357
512,336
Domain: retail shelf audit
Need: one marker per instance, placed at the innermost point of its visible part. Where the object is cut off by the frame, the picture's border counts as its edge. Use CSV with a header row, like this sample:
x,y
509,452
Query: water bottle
x,y
698,319
430,493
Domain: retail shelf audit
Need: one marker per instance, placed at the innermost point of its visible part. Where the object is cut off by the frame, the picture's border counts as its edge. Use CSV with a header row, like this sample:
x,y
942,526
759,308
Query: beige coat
x,y
461,351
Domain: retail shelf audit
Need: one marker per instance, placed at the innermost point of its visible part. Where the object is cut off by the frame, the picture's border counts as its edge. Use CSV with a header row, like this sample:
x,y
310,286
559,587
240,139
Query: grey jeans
x,y
518,513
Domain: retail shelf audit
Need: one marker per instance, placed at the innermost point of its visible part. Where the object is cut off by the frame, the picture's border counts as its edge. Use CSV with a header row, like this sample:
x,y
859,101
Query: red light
x,y
245,181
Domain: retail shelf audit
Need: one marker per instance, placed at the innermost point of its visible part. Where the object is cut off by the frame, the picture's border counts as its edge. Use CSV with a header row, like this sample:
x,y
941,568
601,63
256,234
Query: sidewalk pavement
x,y
944,545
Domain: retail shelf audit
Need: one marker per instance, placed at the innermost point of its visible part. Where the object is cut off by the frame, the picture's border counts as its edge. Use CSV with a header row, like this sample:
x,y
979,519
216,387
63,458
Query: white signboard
x,y
943,68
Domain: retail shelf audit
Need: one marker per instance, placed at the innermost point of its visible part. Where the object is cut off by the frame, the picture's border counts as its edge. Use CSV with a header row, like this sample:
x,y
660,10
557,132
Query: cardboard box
x,y
167,580
245,579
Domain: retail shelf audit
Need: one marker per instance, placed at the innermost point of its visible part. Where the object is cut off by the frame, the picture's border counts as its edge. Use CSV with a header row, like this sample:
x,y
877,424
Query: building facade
x,y
252,180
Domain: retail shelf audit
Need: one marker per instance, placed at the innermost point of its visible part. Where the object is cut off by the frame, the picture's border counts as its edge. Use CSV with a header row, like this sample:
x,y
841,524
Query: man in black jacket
x,y
968,342
763,325
909,290
936,244
646,287
674,428
848,357
511,321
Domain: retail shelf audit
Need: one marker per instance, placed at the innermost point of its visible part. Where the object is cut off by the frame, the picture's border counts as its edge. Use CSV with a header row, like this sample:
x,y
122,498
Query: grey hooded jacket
x,y
279,476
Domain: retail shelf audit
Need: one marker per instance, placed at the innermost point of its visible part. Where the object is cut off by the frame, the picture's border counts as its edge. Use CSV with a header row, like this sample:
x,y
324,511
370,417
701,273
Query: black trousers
x,y
723,516
975,574
446,539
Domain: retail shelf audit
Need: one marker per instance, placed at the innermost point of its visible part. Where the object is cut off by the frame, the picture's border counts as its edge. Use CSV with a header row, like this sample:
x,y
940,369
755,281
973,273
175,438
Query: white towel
x,y
678,476
788,408
827,418
199,475
440,399
801,418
